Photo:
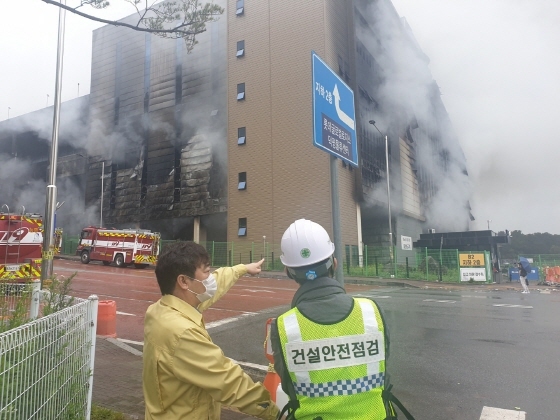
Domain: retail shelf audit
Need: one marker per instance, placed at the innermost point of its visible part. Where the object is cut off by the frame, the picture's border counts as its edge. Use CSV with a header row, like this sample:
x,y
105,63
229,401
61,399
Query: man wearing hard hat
x,y
329,348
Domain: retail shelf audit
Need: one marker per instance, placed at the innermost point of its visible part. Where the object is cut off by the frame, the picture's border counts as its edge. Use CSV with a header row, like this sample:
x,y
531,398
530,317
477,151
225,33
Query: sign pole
x,y
334,131
339,272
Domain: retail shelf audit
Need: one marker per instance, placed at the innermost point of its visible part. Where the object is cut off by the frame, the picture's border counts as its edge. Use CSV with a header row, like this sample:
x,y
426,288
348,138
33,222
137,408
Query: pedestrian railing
x,y
46,365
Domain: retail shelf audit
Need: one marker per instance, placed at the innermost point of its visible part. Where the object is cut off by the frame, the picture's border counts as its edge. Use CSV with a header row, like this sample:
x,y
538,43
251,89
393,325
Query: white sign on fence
x,y
406,243
477,274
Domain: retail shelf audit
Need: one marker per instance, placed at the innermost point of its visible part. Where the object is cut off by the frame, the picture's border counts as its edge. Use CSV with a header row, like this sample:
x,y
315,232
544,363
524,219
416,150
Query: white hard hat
x,y
305,243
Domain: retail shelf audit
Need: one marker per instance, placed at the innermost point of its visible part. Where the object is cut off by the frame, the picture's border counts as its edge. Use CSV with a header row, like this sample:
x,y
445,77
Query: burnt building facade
x,y
216,144
157,130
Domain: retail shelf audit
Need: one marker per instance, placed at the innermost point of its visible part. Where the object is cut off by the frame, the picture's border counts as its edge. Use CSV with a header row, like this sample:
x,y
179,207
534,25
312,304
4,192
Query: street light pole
x,y
372,122
50,205
102,179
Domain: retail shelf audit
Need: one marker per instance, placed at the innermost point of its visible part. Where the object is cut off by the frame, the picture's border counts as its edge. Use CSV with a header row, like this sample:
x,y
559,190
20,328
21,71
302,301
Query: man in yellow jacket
x,y
186,375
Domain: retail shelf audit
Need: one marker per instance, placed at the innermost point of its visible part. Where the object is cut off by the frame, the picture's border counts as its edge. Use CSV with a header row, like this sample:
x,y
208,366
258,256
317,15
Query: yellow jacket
x,y
187,376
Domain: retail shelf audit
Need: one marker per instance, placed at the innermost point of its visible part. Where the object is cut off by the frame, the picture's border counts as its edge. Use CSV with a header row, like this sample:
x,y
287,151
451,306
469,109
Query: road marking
x,y
491,413
124,346
122,343
138,343
440,301
507,305
258,291
477,297
228,320
252,365
372,296
117,297
125,313
231,310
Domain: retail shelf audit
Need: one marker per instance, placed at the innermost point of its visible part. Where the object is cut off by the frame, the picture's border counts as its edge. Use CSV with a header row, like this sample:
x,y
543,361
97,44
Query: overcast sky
x,y
497,63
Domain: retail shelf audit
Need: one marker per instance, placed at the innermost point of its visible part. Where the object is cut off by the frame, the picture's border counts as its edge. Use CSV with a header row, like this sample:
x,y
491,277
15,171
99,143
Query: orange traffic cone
x,y
272,379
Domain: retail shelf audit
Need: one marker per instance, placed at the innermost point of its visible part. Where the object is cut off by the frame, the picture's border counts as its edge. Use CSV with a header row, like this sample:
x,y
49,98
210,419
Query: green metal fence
x,y
417,264
543,260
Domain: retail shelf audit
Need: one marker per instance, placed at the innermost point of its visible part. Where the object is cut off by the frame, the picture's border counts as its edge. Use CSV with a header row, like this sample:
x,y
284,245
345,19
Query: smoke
x,y
72,128
208,126
407,95
19,191
74,215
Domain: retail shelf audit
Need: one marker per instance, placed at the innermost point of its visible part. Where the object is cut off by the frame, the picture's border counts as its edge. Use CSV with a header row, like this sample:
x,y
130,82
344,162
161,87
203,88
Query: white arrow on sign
x,y
343,117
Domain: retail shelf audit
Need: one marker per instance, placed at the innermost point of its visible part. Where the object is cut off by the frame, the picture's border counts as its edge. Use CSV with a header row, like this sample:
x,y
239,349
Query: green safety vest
x,y
338,370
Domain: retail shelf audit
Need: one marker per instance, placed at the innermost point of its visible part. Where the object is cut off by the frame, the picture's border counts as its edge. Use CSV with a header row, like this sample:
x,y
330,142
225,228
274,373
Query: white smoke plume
x,y
407,93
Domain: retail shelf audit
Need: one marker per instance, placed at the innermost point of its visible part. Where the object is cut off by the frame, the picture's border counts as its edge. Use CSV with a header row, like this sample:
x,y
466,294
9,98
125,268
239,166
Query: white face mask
x,y
210,285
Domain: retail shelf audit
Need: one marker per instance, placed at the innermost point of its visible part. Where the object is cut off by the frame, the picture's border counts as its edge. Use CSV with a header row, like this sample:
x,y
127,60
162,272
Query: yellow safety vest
x,y
338,370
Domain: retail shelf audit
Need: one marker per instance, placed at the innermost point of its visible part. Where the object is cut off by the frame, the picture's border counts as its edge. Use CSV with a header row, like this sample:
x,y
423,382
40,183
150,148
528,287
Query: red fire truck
x,y
21,241
123,247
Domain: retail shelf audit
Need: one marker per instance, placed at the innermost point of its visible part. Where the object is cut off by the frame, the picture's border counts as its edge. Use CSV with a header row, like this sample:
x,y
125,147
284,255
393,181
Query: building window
x,y
242,181
240,7
240,48
242,229
240,91
241,136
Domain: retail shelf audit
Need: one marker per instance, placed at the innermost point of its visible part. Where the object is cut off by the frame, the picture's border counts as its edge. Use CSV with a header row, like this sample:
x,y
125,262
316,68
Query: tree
x,y
168,19
531,244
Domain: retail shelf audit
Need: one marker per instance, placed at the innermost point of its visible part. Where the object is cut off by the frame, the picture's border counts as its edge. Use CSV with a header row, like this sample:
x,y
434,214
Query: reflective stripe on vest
x,y
342,366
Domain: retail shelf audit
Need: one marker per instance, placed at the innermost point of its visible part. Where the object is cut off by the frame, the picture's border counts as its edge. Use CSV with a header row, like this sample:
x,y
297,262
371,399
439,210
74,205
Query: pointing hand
x,y
254,268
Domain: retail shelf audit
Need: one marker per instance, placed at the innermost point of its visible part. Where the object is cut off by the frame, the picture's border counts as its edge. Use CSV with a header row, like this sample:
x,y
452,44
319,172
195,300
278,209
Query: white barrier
x,y
46,365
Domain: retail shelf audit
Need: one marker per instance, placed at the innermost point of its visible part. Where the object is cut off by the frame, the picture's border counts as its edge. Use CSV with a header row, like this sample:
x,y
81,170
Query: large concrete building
x,y
216,144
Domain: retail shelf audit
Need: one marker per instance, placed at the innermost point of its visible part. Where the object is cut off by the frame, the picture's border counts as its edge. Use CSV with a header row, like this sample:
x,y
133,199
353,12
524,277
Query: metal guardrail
x,y
46,365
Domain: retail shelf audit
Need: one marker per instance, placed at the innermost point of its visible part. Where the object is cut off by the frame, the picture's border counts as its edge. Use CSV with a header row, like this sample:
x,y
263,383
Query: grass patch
x,y
102,413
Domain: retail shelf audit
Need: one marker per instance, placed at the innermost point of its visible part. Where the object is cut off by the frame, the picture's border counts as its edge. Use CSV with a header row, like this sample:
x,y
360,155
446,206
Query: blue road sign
x,y
334,118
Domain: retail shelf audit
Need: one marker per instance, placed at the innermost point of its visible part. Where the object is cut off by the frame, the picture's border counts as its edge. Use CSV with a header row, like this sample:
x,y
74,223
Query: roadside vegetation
x,y
102,413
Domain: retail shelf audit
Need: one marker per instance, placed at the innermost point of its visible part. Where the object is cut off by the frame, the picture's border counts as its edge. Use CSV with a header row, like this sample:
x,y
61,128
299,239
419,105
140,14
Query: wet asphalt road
x,y
452,352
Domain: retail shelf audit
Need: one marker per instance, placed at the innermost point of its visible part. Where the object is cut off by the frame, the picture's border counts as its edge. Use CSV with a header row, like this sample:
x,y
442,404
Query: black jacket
x,y
323,301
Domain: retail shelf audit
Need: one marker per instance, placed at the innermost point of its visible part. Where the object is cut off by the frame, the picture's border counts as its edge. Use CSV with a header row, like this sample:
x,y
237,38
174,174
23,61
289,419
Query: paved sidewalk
x,y
117,380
